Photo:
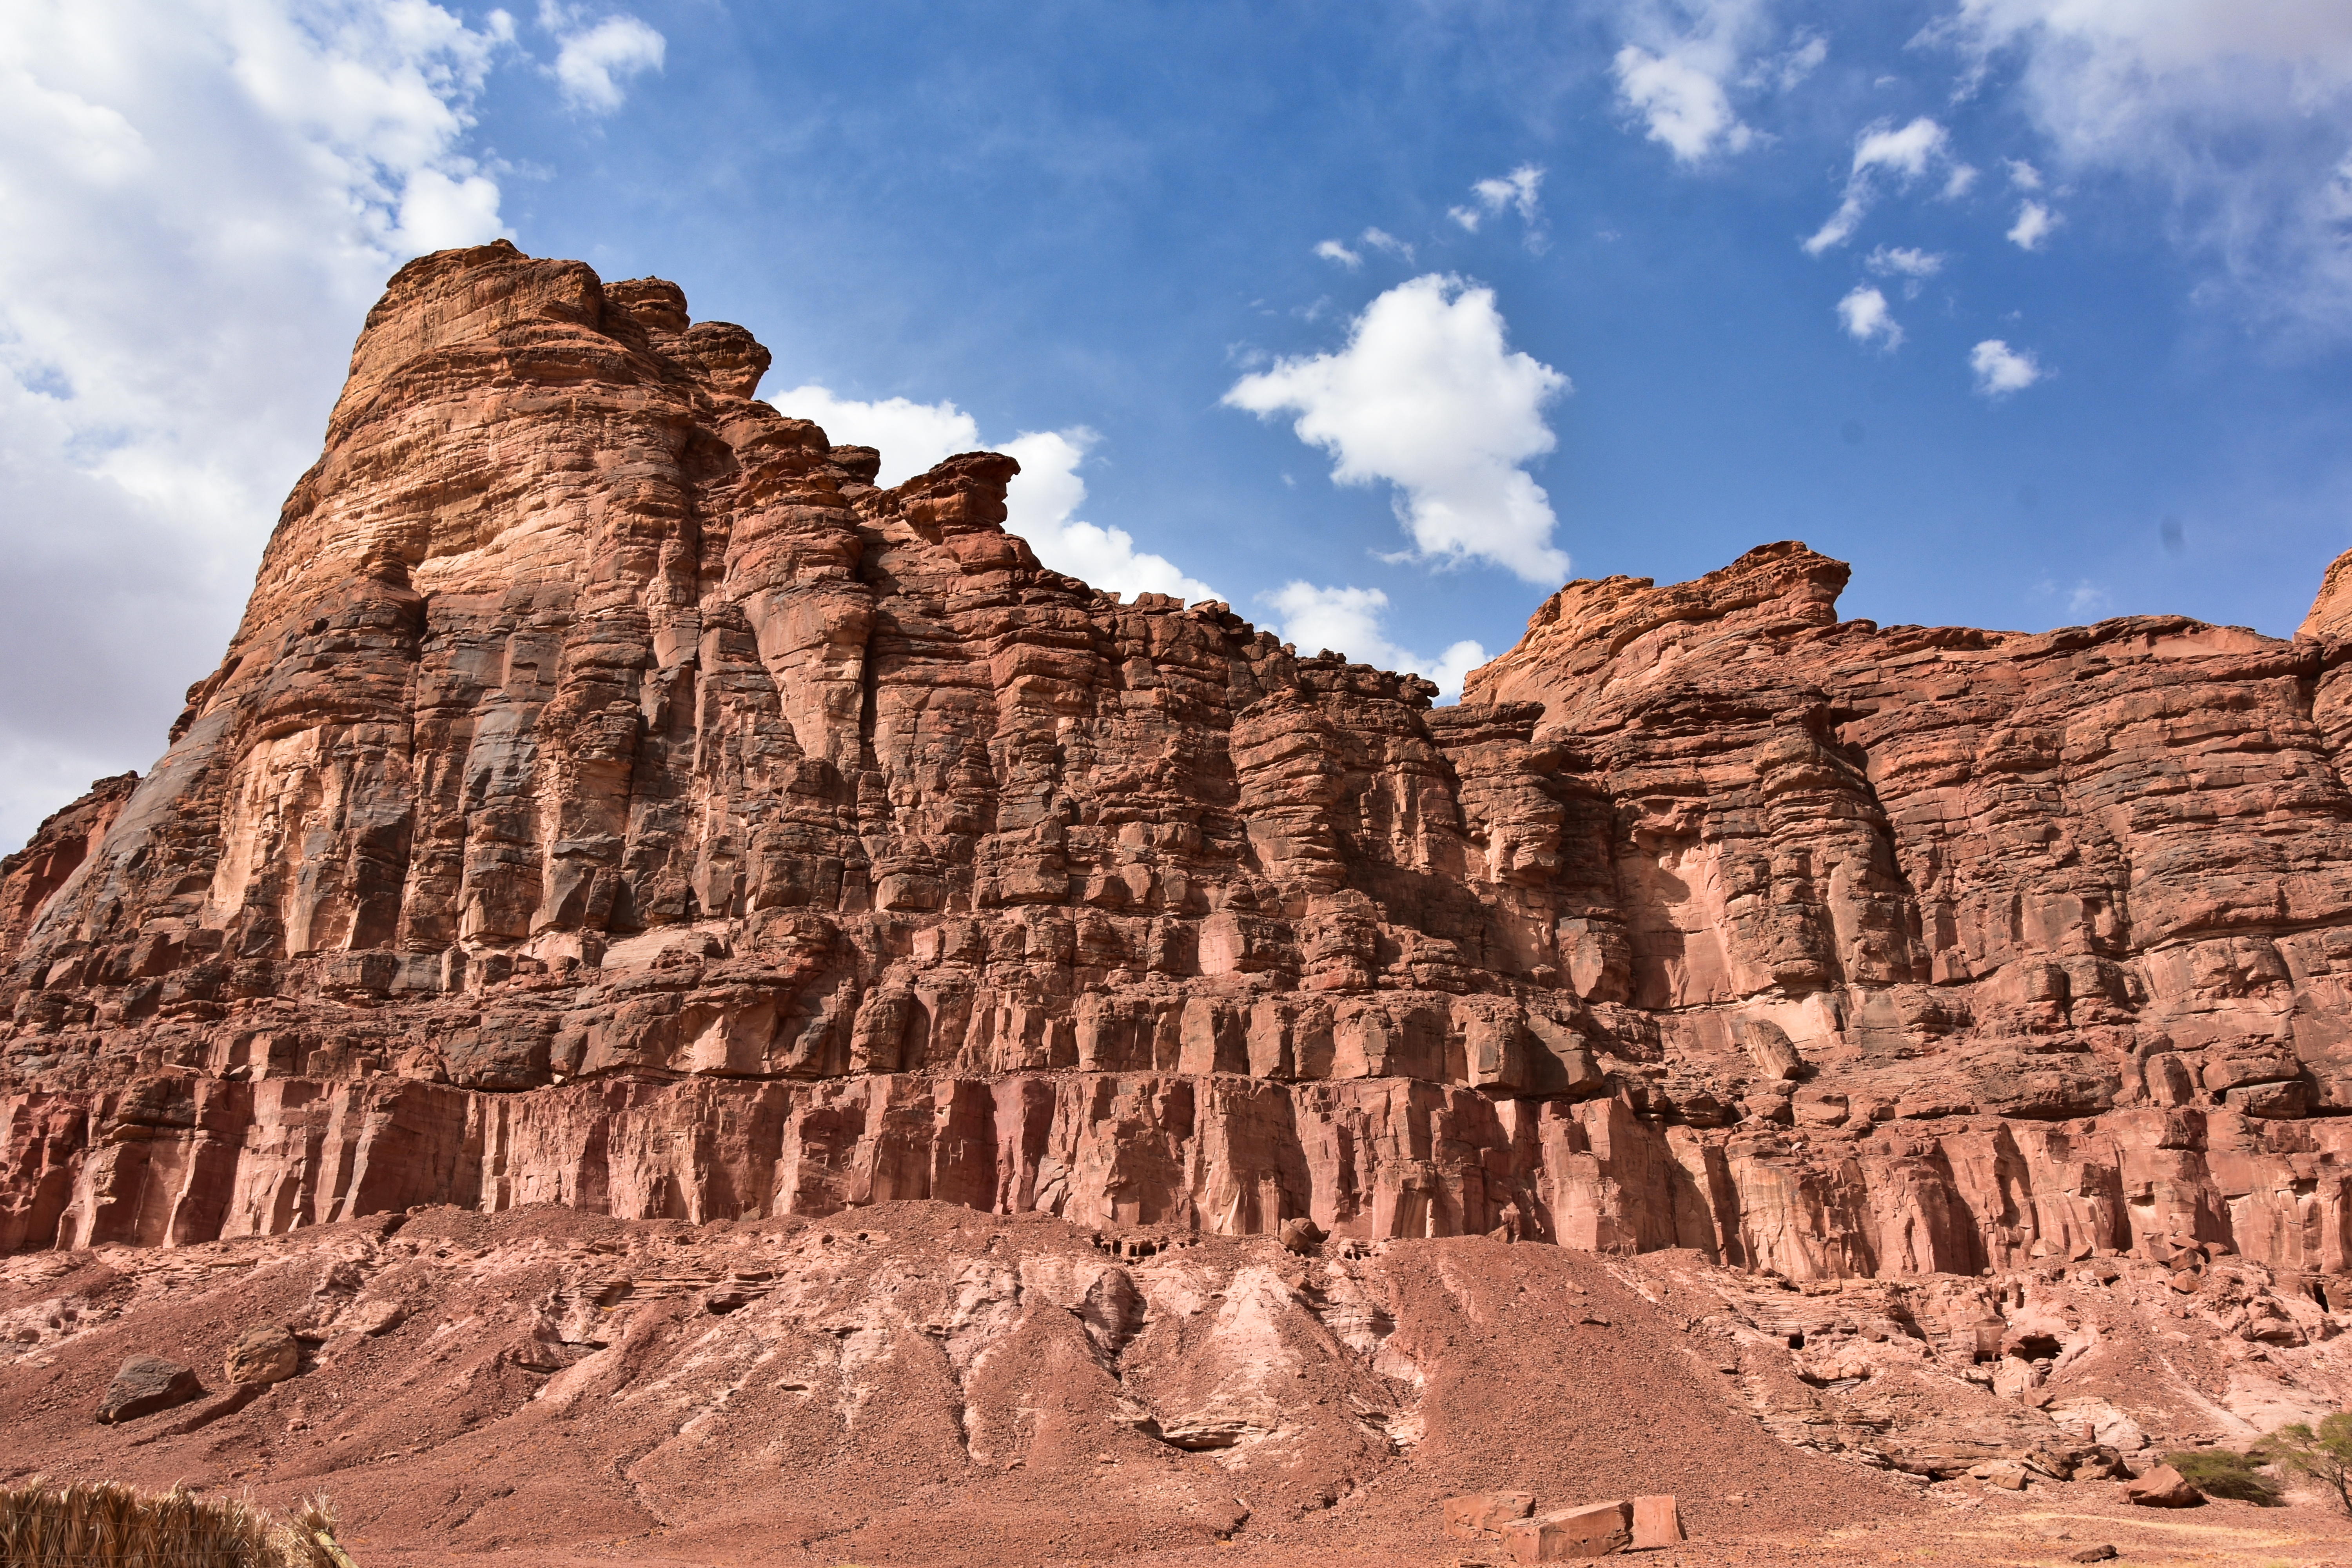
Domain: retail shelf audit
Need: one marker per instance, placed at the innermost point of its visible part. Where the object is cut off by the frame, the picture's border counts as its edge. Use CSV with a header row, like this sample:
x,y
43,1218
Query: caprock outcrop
x,y
612,797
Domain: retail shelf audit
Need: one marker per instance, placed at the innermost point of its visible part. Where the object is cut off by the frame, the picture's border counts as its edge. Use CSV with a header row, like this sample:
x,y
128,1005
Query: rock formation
x,y
612,797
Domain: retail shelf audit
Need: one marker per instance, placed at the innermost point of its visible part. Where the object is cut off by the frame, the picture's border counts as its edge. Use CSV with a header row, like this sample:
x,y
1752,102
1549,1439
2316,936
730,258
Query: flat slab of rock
x,y
1656,1521
372,1318
2163,1487
1593,1530
145,1385
1481,1516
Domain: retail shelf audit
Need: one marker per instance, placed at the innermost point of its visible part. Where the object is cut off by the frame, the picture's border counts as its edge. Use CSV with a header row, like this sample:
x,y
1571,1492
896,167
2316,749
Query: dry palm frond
x,y
89,1524
312,1534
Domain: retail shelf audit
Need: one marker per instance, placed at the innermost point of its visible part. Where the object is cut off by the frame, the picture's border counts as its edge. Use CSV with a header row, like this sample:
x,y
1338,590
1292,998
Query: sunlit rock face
x,y
614,797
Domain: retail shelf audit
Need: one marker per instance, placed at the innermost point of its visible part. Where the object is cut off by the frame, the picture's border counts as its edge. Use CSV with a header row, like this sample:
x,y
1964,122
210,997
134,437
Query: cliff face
x,y
612,797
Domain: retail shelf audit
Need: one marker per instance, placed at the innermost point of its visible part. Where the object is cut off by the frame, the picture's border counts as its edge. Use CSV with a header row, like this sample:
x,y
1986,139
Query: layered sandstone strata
x,y
612,797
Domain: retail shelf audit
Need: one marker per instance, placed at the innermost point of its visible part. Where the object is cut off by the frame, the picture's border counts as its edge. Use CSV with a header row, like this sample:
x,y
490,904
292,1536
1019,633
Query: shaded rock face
x,y
58,847
612,797
145,1385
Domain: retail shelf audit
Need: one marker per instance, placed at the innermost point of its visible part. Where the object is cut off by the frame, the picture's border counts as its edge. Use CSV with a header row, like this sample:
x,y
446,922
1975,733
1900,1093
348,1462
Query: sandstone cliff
x,y
612,797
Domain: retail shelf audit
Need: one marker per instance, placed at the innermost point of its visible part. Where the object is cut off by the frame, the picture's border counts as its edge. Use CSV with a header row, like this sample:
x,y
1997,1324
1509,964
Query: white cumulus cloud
x,y
2002,370
1884,149
1684,104
1042,503
1429,398
911,436
1332,250
1350,621
2034,225
201,202
1867,318
594,61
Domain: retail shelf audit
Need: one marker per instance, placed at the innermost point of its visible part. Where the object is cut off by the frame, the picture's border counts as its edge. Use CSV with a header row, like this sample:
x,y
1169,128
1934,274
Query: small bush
x,y
101,1525
2323,1456
2225,1472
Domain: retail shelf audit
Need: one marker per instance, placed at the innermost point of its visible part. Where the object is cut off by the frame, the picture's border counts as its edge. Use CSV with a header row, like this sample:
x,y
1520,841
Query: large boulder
x,y
1594,1530
267,1352
1656,1521
2163,1487
1301,1235
145,1385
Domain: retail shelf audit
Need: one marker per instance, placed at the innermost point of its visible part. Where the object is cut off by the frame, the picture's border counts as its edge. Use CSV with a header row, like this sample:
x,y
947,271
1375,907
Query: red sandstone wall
x,y
612,796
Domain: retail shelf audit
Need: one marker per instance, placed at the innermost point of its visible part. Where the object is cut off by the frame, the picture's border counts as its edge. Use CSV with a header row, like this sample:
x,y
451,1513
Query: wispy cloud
x,y
1913,267
2087,598
1884,151
1332,250
1798,63
1673,74
594,61
1516,190
2233,113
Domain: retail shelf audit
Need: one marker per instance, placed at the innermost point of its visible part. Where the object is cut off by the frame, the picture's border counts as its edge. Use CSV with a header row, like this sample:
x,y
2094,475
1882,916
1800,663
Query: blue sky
x,y
2035,310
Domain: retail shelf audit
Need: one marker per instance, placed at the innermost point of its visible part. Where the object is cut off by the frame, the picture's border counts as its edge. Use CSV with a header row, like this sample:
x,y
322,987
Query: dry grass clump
x,y
103,1525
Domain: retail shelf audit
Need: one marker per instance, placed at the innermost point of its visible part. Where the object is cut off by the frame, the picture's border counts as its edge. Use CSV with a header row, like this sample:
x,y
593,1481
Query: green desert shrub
x,y
2323,1454
2225,1472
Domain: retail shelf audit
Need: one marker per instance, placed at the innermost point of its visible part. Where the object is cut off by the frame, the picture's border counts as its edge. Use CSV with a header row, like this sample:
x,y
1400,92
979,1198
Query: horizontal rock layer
x,y
612,796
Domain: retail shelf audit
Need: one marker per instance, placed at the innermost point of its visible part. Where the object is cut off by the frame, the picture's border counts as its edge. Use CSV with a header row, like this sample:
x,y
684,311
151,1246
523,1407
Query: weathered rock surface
x,y
2163,1487
1482,1516
1571,1534
145,1385
612,797
267,1352
1656,1523
61,844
